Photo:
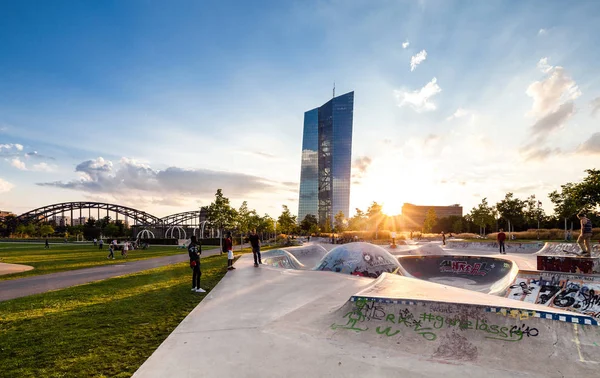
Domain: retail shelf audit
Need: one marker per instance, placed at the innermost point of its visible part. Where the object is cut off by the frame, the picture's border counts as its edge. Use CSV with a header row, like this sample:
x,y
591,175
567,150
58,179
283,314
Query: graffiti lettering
x,y
463,267
426,324
386,331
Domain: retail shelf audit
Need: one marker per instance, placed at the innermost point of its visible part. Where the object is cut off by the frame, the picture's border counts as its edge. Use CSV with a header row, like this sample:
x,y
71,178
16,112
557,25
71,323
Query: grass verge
x,y
103,329
62,257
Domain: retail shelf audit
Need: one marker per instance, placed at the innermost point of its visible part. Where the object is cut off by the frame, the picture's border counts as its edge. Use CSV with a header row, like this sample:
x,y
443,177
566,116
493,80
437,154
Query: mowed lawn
x,y
102,329
61,257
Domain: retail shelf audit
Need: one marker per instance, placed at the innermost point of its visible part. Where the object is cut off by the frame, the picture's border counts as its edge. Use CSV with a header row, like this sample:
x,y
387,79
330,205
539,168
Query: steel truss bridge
x,y
98,210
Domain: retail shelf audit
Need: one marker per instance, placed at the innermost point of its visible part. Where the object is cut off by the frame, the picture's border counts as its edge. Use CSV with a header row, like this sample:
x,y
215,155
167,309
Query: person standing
x,y
585,237
100,244
111,252
125,249
95,242
229,247
501,238
194,251
255,243
46,245
443,238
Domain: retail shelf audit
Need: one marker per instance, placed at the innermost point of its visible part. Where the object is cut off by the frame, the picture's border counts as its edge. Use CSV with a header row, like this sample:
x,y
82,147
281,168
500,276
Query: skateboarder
x,y
585,237
255,243
501,238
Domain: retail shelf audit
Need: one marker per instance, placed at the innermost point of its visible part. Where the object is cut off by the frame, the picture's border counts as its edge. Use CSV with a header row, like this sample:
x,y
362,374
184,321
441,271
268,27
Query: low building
x,y
413,216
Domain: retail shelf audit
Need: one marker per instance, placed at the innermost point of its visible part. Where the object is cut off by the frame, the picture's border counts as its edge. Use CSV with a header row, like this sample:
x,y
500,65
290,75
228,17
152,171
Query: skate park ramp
x,y
308,254
281,258
483,274
455,326
565,249
305,323
359,259
578,293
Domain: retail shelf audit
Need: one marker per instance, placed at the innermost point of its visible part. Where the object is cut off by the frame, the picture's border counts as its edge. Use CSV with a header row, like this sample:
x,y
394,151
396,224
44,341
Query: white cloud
x,y
544,66
542,31
595,104
419,100
553,91
11,146
100,176
405,44
553,120
5,186
43,167
17,163
592,145
459,113
417,59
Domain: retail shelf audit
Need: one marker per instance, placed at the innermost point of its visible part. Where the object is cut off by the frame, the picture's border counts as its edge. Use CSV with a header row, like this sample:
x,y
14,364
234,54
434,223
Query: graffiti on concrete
x,y
463,267
369,315
565,291
492,245
568,264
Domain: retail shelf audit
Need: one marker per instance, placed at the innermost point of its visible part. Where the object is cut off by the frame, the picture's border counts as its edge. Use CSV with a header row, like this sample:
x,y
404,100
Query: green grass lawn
x,y
102,329
61,257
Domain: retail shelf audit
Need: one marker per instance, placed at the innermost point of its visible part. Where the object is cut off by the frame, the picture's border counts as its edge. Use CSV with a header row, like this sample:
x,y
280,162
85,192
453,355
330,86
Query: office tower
x,y
326,160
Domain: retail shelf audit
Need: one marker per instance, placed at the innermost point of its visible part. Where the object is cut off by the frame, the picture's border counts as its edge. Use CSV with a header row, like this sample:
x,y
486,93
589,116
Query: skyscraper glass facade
x,y
327,159
309,177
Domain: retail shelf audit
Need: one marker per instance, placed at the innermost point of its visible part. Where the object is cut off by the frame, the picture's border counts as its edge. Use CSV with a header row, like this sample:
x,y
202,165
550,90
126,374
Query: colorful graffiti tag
x,y
572,292
463,267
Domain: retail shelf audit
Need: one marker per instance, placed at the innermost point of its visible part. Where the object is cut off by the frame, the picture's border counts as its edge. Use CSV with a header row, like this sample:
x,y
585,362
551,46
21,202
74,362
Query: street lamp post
x,y
538,219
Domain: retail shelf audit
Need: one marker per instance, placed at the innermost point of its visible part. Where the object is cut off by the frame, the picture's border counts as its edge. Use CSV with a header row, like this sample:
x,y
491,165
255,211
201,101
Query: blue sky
x,y
155,105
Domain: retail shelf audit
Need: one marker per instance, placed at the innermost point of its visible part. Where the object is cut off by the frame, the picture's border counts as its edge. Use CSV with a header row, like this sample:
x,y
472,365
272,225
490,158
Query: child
x,y
229,246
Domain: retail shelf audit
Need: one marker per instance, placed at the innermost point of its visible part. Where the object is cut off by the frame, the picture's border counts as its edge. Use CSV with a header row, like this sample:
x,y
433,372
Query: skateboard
x,y
575,253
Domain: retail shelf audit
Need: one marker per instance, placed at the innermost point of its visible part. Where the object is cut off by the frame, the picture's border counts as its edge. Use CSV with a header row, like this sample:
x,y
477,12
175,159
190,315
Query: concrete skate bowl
x,y
359,259
429,250
280,258
482,274
309,254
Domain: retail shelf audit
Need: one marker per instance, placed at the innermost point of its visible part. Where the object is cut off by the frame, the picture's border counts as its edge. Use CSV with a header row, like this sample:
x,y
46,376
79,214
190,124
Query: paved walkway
x,y
23,287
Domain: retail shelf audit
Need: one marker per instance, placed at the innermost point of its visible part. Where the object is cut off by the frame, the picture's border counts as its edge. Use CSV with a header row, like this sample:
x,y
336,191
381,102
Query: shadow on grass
x,y
107,328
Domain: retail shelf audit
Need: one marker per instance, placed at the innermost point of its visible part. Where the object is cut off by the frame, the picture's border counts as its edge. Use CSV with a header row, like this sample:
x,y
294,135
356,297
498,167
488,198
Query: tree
x,y
243,220
430,221
308,222
566,203
111,229
375,217
102,223
457,226
588,191
286,221
340,222
533,212
46,230
358,221
511,209
482,216
265,224
220,214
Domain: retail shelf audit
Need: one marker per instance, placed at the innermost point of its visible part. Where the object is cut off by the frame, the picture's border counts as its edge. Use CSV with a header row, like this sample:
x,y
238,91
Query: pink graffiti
x,y
462,267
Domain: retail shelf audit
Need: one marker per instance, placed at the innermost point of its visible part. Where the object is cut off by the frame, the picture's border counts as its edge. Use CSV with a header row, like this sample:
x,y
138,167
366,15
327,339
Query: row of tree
x,y
92,229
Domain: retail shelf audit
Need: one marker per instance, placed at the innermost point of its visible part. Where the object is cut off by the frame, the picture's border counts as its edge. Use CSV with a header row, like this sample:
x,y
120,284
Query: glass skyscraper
x,y
326,160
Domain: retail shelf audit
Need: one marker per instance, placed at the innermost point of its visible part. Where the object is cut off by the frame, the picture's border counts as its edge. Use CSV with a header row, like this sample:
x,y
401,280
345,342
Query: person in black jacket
x,y
194,250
